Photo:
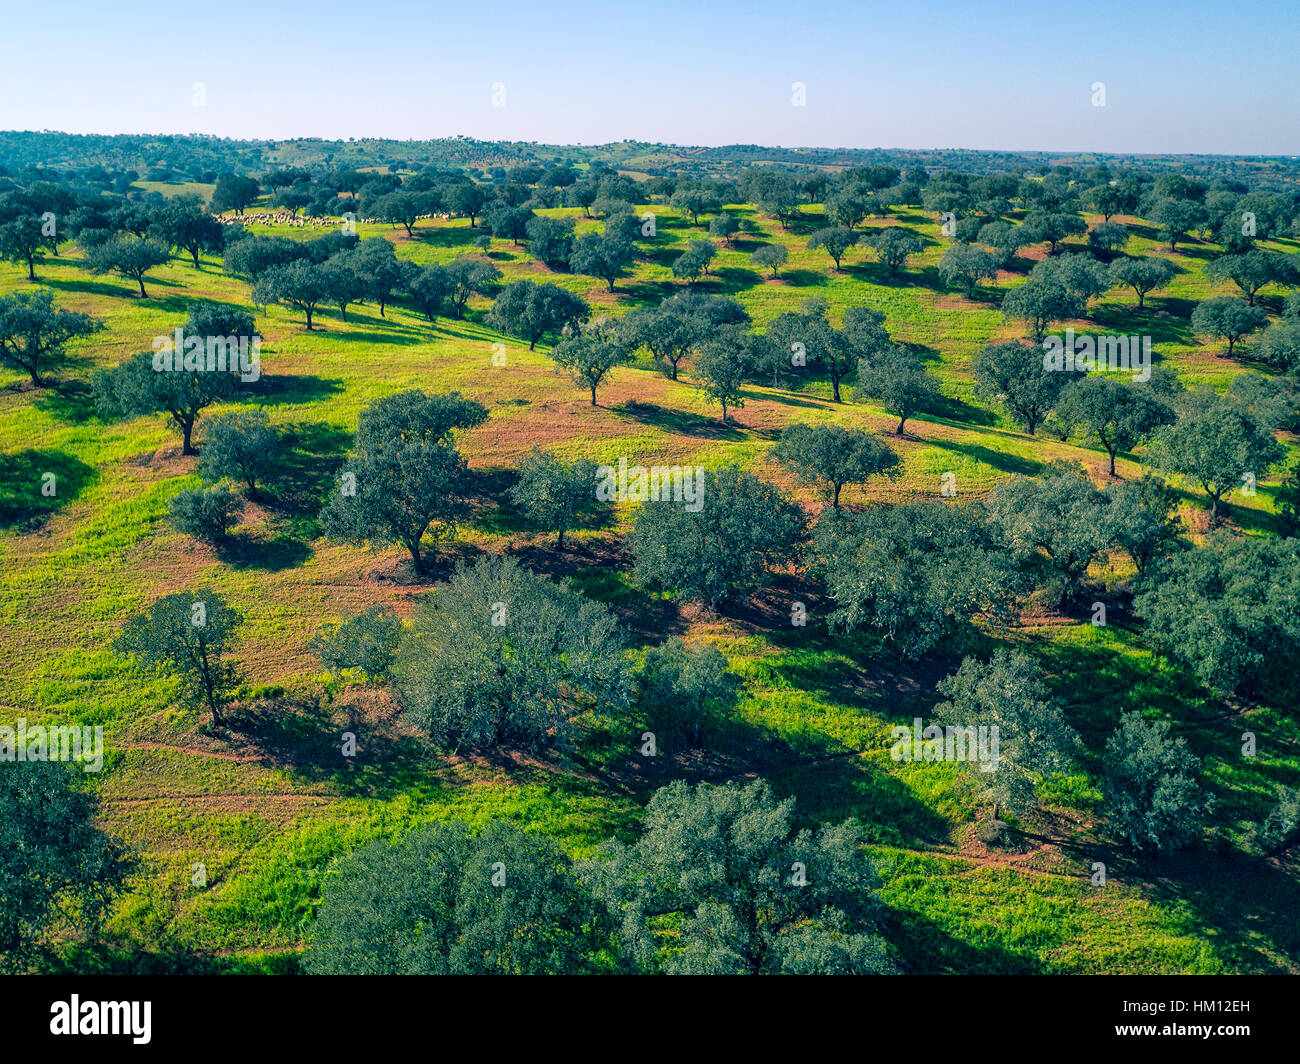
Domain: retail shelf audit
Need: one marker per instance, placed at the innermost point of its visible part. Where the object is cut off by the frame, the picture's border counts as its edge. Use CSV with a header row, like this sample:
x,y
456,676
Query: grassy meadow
x,y
265,805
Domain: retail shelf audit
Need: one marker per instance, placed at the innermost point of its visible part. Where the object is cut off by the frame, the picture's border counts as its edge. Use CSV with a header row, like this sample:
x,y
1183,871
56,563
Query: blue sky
x,y
1189,76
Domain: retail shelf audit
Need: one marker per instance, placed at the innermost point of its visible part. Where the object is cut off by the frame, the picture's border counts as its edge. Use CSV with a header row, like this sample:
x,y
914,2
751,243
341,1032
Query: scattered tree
x,y
724,544
834,456
504,657
186,635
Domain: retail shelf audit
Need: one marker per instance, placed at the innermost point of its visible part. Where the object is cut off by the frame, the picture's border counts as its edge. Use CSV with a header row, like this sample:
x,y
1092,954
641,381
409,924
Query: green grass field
x,y
267,804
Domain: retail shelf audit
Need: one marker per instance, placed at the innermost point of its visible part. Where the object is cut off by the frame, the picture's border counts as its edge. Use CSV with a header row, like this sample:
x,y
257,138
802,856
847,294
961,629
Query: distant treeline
x,y
194,157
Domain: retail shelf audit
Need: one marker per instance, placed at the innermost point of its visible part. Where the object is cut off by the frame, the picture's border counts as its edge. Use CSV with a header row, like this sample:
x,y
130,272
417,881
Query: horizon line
x,y
659,144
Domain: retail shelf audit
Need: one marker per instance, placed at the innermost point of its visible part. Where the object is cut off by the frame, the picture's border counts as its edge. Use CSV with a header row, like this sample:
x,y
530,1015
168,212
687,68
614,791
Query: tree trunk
x,y
187,430
901,422
309,317
559,543
837,495
143,293
418,561
593,395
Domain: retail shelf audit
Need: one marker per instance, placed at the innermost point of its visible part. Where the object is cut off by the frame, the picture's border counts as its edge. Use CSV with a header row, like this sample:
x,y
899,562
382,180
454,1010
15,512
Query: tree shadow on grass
x,y
596,567
448,236
1007,463
69,400
926,948
650,293
789,398
735,279
243,551
119,290
26,479
958,411
801,278
1250,905
1170,327
305,736
295,388
495,512
682,422
394,335
307,472
837,787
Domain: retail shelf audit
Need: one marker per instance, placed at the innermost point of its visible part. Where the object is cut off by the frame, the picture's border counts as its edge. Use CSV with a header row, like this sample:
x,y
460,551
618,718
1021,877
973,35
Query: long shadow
x,y
1007,463
736,278
1128,320
448,236
682,422
106,288
307,472
836,787
597,568
34,484
303,736
396,335
294,388
1116,683
642,293
1246,903
356,317
801,278
788,399
242,551
495,512
662,256
925,948
959,411
70,400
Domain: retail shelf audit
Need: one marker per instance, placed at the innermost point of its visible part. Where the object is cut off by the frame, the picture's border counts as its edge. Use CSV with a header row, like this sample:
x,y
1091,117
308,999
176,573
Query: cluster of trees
x,y
763,898
502,656
1214,440
709,334
915,573
117,235
1152,794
